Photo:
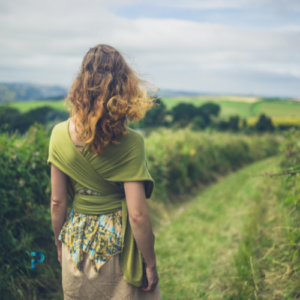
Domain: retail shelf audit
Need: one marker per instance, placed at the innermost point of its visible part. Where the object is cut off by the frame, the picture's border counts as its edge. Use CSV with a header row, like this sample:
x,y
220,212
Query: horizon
x,y
167,92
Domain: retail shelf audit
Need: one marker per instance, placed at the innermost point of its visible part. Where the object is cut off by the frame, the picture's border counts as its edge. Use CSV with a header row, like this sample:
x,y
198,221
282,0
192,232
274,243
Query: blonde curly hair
x,y
104,95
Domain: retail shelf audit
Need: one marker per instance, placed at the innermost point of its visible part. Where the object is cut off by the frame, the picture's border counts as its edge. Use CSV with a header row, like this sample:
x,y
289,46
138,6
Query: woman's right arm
x,y
141,226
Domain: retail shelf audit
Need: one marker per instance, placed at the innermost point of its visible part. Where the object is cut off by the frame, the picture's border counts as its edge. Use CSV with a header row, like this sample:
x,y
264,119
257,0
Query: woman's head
x,y
104,94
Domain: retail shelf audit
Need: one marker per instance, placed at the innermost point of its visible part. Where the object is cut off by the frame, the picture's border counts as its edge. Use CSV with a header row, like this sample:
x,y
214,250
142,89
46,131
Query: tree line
x,y
201,117
180,116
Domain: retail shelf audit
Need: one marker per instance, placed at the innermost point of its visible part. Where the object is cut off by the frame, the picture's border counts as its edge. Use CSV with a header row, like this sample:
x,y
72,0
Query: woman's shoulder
x,y
131,143
59,126
133,136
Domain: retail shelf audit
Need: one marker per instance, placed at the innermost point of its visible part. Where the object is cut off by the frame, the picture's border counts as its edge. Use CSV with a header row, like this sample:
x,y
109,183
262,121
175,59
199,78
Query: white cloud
x,y
46,41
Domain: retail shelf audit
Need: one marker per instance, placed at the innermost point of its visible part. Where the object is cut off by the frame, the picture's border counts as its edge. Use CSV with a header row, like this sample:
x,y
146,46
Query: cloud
x,y
46,41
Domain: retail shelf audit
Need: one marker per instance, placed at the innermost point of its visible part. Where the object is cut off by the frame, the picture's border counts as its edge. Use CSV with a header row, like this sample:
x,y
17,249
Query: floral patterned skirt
x,y
100,236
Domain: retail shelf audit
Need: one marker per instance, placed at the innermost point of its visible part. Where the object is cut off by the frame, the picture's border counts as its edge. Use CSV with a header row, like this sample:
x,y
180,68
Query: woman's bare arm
x,y
59,201
141,226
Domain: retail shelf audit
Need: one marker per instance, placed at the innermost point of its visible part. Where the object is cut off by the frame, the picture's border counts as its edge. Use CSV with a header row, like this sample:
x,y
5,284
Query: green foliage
x,y
232,124
198,123
21,122
264,123
272,235
291,150
200,117
183,111
155,116
8,115
25,217
291,164
179,160
210,109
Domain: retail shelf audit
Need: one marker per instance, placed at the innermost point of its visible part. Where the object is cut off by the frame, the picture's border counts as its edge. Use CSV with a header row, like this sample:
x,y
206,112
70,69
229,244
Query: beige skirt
x,y
109,284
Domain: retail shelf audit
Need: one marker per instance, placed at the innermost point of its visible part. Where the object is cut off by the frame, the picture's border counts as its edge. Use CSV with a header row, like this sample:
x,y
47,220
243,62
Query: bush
x,y
8,115
155,116
264,123
184,113
25,219
179,160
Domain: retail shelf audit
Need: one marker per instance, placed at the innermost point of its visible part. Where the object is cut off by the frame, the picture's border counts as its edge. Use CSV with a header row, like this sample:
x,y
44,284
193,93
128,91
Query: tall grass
x,y
268,260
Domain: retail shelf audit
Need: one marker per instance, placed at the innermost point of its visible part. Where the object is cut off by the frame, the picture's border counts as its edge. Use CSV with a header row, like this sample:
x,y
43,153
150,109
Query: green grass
x,y
195,252
277,108
25,106
242,106
228,108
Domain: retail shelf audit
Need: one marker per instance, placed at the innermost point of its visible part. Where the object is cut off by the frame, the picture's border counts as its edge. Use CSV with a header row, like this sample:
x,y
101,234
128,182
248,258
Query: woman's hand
x,y
152,280
59,252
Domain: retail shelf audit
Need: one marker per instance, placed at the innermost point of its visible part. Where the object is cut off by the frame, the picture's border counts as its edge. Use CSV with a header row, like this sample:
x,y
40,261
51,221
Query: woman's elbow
x,y
138,218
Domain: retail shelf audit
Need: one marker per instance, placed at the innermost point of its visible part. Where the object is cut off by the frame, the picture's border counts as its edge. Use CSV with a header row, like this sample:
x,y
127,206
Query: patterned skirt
x,y
107,284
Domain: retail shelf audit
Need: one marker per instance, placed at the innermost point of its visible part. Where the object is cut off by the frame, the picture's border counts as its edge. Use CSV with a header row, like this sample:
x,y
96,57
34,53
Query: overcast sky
x,y
208,46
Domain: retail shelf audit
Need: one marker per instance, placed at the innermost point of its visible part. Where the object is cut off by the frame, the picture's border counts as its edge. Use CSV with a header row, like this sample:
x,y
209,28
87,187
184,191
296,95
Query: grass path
x,y
194,252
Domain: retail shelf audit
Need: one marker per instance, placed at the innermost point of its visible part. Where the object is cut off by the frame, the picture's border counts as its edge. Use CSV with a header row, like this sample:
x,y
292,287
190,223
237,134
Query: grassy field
x,y
282,111
277,108
25,106
229,105
197,251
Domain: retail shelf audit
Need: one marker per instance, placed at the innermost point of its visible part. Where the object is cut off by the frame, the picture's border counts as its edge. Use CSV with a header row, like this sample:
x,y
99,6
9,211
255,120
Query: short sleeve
x,y
50,150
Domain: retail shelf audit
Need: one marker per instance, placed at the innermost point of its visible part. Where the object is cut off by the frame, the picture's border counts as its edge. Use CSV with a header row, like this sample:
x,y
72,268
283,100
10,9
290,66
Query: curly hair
x,y
104,95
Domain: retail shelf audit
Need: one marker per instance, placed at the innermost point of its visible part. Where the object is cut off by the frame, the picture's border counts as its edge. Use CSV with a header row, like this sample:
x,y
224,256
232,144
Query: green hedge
x,y
291,164
25,217
177,161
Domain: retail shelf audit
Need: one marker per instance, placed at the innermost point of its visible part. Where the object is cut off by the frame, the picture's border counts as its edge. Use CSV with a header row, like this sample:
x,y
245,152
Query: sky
x,y
238,47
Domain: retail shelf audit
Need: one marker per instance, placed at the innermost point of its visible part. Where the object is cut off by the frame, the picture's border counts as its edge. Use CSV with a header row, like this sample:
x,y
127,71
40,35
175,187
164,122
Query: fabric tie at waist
x,y
100,205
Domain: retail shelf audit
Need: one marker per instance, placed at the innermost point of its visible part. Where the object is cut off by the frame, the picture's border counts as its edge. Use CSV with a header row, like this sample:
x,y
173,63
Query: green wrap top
x,y
123,162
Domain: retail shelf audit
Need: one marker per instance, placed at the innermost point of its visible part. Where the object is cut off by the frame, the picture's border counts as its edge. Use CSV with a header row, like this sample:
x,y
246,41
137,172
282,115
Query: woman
x,y
106,245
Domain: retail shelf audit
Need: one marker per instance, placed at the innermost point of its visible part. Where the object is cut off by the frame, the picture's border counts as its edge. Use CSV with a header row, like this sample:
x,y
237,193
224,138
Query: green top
x,y
123,162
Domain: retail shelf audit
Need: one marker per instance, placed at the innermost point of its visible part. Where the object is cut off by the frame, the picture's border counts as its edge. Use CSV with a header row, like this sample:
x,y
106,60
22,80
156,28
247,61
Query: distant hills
x,y
14,92
10,92
171,93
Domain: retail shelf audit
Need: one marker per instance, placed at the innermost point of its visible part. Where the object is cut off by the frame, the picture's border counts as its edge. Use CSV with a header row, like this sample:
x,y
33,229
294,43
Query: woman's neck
x,y
74,136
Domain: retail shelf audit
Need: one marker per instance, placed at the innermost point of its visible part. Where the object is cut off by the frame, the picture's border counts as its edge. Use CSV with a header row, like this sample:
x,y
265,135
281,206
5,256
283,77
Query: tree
x,y
210,109
184,112
264,124
231,124
24,121
234,123
155,116
8,115
198,122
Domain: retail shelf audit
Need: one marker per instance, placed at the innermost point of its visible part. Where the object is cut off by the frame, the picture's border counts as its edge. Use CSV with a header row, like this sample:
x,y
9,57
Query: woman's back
x,y
96,159
100,236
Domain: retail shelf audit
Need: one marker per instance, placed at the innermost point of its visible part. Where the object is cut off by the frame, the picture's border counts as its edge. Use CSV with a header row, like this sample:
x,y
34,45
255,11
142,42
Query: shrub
x,y
25,217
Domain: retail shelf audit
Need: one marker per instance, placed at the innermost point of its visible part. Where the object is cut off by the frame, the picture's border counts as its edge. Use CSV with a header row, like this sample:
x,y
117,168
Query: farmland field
x,y
281,111
277,108
25,106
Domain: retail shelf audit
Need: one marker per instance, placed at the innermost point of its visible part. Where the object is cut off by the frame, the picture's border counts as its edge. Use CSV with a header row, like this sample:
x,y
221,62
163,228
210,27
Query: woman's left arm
x,y
59,201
